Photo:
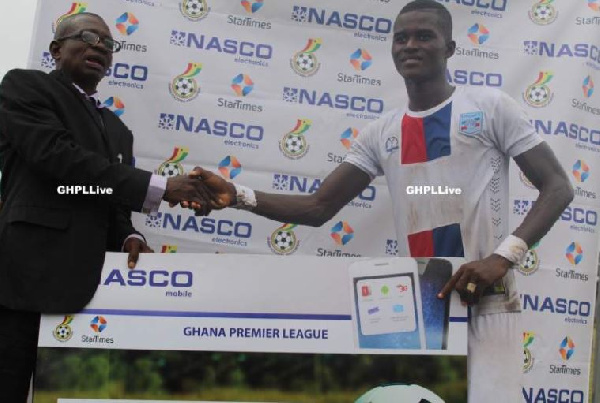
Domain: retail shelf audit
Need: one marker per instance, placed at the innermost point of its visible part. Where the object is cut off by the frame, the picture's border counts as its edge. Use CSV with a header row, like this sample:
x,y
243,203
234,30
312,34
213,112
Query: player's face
x,y
419,48
85,63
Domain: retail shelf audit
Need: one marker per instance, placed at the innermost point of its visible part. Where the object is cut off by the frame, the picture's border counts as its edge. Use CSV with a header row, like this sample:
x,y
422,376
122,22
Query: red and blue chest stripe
x,y
425,139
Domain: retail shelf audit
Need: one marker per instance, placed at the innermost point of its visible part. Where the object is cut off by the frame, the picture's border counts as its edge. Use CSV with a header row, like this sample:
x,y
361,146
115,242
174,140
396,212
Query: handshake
x,y
200,190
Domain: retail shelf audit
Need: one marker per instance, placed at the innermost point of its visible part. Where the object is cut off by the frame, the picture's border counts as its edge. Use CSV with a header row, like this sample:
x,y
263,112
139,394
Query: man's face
x,y
419,48
85,63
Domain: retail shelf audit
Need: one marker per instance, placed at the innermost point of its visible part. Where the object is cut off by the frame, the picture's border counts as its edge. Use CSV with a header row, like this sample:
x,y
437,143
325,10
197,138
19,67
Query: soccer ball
x,y
195,8
294,145
63,332
530,263
305,63
399,393
543,12
283,242
184,87
170,169
539,95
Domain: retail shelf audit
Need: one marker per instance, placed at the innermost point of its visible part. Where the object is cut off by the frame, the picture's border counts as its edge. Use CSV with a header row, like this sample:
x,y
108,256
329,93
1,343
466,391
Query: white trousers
x,y
495,358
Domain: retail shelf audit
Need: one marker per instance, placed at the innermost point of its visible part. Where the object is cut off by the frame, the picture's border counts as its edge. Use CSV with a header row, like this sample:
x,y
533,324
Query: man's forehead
x,y
89,22
417,19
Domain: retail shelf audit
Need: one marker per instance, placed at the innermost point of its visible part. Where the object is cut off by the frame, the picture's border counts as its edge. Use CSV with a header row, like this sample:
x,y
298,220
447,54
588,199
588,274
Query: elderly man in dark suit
x,y
54,132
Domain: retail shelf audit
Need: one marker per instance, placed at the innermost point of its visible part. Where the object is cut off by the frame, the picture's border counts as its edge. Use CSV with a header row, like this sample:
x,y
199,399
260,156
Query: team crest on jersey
x,y
391,144
471,123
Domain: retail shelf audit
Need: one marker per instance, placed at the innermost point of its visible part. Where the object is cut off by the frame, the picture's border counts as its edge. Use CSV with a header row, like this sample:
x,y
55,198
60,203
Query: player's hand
x,y
184,188
471,279
134,246
222,193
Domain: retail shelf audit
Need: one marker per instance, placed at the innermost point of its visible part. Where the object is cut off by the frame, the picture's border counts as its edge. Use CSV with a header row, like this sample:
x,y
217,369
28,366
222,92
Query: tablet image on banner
x,y
395,305
387,304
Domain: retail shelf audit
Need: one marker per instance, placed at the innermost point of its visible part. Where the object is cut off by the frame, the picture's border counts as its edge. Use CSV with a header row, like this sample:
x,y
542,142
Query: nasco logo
x,y
539,94
553,395
194,10
574,311
486,8
237,134
245,52
351,103
366,26
293,145
226,232
283,240
127,75
474,78
305,62
184,87
585,138
543,12
589,52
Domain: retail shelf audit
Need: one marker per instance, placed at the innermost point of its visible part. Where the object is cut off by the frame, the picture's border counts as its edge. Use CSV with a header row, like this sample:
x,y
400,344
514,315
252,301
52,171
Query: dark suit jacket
x,y
52,246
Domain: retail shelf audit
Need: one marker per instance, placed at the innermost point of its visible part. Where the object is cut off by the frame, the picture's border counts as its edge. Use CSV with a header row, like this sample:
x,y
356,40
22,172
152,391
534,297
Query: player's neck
x,y
425,95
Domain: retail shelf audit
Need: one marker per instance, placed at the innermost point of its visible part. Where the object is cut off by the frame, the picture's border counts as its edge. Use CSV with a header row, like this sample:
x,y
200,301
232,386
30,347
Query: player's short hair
x,y
444,16
67,25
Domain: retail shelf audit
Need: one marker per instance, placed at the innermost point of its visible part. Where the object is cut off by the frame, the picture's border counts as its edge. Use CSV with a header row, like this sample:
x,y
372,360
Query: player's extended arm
x,y
342,185
544,171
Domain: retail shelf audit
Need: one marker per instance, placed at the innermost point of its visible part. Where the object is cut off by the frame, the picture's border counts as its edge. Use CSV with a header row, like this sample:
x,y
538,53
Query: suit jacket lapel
x,y
94,113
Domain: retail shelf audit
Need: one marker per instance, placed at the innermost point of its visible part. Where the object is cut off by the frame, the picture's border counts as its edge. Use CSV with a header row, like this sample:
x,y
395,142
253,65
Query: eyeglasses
x,y
94,39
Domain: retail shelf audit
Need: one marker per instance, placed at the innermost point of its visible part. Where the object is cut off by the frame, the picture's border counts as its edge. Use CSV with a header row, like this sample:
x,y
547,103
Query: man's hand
x,y
134,246
222,193
473,278
183,188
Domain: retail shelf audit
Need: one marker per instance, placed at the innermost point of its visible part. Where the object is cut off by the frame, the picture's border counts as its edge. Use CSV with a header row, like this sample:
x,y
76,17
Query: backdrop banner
x,y
272,93
253,324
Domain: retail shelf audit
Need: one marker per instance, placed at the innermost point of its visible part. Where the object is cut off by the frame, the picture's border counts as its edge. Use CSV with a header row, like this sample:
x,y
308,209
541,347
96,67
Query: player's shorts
x,y
495,358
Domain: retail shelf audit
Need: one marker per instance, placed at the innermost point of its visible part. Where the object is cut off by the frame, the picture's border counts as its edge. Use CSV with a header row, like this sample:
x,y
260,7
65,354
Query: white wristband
x,y
245,197
512,248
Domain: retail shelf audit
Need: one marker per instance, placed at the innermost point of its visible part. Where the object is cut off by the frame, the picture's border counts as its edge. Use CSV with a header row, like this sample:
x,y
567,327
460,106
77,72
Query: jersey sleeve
x,y
512,130
365,151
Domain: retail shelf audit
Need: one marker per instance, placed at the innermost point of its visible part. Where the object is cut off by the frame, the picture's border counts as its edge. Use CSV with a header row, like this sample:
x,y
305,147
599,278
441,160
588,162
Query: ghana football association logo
x,y
283,240
293,145
63,332
528,360
539,94
543,12
172,166
76,8
194,10
530,263
305,62
184,87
